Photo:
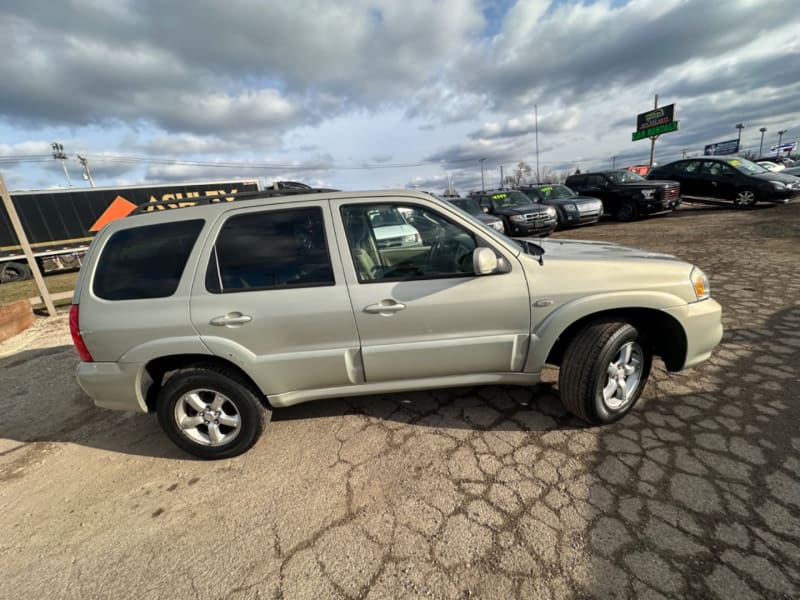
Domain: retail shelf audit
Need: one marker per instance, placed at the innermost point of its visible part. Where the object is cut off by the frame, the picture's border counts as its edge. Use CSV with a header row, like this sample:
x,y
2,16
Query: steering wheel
x,y
448,255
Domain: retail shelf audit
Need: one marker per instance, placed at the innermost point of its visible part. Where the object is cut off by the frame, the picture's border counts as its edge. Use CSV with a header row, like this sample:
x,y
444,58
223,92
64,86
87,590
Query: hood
x,y
649,183
572,200
571,269
590,251
782,177
393,231
522,210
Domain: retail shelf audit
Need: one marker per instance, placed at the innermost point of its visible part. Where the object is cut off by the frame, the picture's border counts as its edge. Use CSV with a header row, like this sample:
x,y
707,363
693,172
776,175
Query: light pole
x,y
536,112
58,154
739,126
780,137
613,161
482,185
763,130
87,174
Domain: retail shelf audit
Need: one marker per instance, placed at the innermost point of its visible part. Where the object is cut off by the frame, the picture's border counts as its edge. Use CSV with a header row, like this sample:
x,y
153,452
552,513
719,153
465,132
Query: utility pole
x,y
482,185
684,152
26,248
536,113
87,174
763,130
58,154
653,138
613,161
502,183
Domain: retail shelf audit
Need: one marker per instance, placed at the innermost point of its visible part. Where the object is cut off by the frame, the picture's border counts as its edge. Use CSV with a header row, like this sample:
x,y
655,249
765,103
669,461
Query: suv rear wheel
x,y
210,412
604,371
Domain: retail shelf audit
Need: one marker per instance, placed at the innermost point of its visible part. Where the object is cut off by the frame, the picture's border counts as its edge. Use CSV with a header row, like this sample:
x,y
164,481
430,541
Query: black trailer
x,y
60,223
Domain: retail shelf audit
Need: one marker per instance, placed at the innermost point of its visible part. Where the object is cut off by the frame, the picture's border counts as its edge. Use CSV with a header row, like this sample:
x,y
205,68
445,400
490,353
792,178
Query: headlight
x,y
552,211
571,207
498,225
517,218
411,239
648,194
779,185
700,284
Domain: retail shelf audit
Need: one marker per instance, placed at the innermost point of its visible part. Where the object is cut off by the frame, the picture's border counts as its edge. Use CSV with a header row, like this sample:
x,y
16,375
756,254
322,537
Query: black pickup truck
x,y
627,196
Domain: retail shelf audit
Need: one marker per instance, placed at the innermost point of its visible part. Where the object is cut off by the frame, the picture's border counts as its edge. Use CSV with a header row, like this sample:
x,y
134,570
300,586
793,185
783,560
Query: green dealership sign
x,y
654,131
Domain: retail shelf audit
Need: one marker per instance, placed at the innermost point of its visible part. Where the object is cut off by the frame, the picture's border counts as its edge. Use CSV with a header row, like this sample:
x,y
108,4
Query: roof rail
x,y
278,188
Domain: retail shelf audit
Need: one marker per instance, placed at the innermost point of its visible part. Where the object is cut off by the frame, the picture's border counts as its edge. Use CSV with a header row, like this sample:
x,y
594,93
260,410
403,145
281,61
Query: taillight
x,y
74,329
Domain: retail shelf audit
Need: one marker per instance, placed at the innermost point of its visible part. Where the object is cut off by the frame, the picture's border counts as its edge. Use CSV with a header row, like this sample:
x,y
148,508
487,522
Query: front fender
x,y
549,328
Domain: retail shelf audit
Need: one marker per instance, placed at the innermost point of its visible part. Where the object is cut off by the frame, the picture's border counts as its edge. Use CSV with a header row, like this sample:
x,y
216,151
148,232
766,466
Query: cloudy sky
x,y
359,94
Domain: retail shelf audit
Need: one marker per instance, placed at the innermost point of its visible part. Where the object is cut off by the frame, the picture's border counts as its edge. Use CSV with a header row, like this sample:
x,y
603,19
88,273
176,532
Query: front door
x,y
420,310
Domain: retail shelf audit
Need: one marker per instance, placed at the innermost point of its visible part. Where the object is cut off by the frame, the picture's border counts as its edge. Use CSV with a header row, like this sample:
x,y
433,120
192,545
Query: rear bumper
x,y
117,386
702,323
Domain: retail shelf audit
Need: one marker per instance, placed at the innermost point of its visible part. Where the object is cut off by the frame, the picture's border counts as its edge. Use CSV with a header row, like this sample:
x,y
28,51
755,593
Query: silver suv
x,y
210,316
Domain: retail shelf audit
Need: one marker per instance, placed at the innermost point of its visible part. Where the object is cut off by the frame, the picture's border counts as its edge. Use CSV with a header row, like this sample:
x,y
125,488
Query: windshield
x,y
556,192
469,205
386,217
625,177
510,199
746,167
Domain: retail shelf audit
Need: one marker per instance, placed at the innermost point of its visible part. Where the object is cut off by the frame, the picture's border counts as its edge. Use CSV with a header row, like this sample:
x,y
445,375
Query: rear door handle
x,y
232,319
385,307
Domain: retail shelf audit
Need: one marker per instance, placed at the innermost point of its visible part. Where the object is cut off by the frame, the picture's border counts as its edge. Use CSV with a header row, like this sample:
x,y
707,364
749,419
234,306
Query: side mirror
x,y
484,261
485,210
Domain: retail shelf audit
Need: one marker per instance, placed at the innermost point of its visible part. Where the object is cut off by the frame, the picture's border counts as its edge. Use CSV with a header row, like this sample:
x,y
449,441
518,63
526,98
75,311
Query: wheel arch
x,y
662,331
160,369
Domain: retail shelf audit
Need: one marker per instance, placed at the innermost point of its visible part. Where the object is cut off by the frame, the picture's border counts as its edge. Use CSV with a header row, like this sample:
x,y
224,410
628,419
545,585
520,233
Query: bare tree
x,y
521,173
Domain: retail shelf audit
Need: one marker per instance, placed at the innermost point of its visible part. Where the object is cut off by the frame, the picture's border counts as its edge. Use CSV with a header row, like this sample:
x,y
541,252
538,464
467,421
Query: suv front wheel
x,y
604,371
211,412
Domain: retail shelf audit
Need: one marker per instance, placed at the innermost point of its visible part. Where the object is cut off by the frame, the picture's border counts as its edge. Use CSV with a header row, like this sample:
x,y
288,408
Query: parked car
x,y
732,179
625,195
771,166
521,217
213,315
473,207
792,171
391,229
572,209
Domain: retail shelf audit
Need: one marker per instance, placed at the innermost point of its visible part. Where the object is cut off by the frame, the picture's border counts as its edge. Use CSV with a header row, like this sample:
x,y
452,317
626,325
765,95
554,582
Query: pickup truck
x,y
232,309
627,196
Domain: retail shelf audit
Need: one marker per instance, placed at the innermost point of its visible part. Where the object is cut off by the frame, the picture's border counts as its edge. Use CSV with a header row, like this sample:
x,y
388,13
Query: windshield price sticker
x,y
546,189
734,162
499,196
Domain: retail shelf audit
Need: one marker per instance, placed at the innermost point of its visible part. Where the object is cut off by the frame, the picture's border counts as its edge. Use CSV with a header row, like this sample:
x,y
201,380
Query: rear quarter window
x,y
145,262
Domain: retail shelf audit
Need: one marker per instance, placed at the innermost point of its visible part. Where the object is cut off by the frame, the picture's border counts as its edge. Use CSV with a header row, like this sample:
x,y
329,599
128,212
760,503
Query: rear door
x,y
421,312
270,295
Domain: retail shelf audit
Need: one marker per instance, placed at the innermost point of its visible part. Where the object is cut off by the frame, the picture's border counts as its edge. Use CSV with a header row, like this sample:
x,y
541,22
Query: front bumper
x,y
702,324
117,386
657,207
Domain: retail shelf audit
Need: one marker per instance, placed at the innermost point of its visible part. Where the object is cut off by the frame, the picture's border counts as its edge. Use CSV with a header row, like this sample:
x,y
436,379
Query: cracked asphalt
x,y
488,492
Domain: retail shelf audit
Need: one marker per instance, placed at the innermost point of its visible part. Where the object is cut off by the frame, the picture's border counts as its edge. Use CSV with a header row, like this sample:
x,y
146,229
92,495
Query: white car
x,y
771,166
391,229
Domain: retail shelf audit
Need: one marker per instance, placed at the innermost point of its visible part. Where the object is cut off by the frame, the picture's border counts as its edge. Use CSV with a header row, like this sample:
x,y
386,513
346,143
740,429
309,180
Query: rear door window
x,y
270,250
145,262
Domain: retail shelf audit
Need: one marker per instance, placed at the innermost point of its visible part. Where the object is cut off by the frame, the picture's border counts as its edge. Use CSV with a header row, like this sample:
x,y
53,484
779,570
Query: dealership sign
x,y
655,122
655,117
726,147
655,131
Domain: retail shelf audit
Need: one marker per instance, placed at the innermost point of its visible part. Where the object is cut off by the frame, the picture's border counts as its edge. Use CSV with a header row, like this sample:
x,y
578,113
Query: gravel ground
x,y
491,492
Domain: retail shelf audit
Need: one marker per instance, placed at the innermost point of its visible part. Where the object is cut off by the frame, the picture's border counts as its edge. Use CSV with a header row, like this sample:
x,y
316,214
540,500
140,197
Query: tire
x,y
626,211
745,198
222,414
14,271
588,386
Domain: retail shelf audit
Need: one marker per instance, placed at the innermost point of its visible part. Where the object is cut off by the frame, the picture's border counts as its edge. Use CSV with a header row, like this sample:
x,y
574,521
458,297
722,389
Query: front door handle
x,y
232,319
385,307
